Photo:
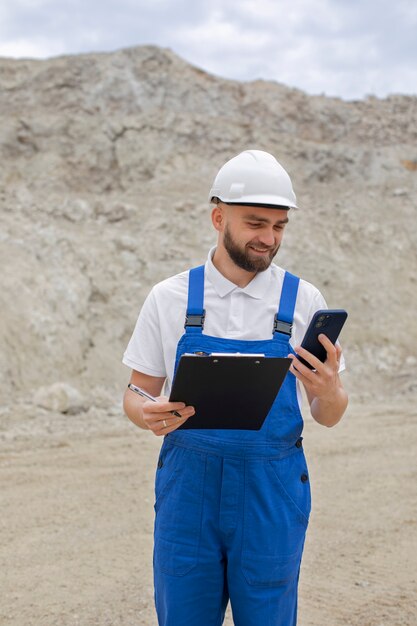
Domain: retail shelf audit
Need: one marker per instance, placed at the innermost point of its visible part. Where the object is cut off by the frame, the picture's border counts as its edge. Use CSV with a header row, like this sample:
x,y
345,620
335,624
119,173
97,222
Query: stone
x,y
60,397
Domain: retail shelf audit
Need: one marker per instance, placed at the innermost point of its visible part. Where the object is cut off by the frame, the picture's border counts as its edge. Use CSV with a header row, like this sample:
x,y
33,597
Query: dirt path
x,y
77,516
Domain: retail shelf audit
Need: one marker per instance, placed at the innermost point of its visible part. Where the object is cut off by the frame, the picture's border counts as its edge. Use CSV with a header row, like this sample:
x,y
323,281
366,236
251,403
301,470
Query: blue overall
x,y
232,506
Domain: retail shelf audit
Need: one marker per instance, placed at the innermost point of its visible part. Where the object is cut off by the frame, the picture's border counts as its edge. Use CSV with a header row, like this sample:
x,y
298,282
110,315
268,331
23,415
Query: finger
x,y
301,371
177,421
333,352
168,425
158,421
310,358
182,416
330,348
299,375
338,352
154,420
187,412
162,407
166,401
160,426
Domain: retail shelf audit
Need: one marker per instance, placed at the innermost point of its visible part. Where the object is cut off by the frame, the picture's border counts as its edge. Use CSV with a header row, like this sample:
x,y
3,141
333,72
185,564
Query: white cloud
x,y
339,47
30,48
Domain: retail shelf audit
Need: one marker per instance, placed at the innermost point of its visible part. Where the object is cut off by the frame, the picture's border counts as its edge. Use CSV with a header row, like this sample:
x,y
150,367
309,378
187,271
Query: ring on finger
x,y
164,423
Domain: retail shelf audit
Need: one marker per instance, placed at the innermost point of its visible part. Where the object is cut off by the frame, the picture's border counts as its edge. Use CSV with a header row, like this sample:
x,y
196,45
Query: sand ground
x,y
77,516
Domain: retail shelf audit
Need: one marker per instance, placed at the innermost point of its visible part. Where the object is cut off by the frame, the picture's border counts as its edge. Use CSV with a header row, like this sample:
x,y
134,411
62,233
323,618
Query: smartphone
x,y
330,323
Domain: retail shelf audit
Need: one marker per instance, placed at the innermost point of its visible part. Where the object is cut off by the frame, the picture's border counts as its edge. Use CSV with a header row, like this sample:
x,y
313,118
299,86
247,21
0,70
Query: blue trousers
x,y
230,524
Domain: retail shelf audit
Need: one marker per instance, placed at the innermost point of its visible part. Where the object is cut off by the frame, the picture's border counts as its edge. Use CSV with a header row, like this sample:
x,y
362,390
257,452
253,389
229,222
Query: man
x,y
232,506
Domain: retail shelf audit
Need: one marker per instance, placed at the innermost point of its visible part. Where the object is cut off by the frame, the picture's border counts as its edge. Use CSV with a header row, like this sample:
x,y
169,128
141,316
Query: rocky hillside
x,y
106,162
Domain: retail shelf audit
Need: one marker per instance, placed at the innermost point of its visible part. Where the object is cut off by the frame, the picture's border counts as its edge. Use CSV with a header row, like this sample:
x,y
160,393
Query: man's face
x,y
252,235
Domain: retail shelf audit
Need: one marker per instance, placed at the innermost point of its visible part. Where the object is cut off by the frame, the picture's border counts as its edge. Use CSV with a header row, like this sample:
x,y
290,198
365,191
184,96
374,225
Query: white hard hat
x,y
253,178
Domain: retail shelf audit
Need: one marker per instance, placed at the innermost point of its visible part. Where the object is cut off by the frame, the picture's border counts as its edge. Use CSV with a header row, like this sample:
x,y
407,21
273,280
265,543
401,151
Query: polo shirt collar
x,y
257,288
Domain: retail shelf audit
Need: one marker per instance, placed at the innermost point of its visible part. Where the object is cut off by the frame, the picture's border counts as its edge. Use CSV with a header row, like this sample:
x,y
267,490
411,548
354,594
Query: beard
x,y
244,258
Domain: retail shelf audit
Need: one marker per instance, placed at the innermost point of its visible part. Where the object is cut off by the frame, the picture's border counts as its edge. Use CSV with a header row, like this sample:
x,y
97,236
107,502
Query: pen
x,y
148,396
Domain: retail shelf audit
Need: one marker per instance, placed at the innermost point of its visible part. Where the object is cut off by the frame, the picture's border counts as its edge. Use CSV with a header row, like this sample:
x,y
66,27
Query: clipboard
x,y
228,391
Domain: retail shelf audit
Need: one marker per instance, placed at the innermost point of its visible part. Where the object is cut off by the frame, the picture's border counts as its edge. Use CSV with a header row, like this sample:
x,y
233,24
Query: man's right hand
x,y
158,416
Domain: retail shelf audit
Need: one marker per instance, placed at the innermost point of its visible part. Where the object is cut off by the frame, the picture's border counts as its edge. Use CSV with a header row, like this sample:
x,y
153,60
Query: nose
x,y
267,237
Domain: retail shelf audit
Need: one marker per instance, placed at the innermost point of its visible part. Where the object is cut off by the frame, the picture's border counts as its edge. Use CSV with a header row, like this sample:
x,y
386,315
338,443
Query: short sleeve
x,y
144,352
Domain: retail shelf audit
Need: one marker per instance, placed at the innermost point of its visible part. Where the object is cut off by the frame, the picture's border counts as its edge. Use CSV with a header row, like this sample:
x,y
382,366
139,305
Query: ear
x,y
218,217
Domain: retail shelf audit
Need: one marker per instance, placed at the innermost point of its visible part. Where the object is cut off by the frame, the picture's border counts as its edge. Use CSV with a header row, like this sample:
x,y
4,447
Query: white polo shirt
x,y
232,312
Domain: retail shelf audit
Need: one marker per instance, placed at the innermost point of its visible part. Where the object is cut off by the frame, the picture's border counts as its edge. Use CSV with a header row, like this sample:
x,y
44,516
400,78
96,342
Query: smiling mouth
x,y
260,250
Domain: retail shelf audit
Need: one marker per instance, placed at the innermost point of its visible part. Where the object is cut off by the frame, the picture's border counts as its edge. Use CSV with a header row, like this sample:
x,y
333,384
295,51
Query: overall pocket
x,y
178,508
293,483
275,521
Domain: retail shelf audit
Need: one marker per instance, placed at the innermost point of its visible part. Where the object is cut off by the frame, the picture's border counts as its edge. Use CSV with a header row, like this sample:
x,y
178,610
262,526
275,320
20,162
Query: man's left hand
x,y
327,398
324,378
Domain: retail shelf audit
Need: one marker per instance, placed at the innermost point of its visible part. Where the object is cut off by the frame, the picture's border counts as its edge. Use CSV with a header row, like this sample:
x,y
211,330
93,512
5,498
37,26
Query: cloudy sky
x,y
346,48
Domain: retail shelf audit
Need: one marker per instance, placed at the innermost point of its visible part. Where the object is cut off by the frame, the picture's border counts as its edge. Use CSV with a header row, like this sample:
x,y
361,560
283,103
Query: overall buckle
x,y
282,327
195,320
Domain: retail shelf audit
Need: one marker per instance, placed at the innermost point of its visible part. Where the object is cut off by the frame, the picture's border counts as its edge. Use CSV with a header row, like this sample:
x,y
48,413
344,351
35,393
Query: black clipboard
x,y
228,391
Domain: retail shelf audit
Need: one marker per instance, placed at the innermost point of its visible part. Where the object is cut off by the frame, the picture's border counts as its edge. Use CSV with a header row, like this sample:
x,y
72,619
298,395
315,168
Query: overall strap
x,y
284,318
194,319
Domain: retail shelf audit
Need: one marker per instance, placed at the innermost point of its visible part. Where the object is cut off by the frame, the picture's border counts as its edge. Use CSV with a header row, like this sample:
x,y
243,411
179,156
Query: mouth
x,y
261,251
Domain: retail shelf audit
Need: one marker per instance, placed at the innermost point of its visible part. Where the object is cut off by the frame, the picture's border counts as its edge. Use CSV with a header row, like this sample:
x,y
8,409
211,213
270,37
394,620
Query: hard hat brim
x,y
261,204
268,203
